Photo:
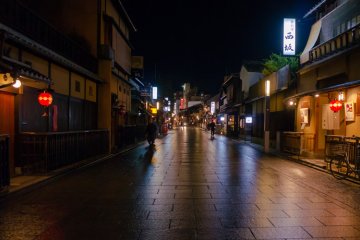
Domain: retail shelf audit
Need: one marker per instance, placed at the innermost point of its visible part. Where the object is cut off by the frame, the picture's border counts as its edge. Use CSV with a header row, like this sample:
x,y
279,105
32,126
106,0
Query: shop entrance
x,y
7,123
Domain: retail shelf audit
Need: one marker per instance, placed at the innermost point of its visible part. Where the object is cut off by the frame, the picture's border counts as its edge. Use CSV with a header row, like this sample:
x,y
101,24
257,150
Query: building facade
x,y
81,55
329,74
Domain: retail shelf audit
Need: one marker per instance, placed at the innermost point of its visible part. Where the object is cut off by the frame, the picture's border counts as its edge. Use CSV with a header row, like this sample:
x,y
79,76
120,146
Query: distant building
x,y
229,103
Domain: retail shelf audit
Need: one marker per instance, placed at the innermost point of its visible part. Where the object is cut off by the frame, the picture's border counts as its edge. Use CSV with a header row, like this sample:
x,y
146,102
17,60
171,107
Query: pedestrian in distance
x,y
212,129
151,131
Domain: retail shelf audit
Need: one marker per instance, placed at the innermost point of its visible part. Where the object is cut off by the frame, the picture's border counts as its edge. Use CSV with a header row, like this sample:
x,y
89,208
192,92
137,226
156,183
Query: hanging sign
x,y
289,36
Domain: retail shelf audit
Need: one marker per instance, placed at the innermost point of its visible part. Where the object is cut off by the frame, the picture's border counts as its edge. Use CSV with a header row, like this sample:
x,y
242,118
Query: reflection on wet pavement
x,y
187,187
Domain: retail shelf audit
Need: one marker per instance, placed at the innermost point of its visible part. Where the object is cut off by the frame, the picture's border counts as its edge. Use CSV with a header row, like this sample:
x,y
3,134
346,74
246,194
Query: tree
x,y
276,62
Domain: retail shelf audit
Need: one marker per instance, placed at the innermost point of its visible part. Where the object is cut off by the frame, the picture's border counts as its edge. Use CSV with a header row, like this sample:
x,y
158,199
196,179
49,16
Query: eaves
x,y
28,43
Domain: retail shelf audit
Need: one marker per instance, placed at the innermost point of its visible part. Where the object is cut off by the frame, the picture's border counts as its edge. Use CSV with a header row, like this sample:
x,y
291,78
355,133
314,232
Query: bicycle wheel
x,y
339,167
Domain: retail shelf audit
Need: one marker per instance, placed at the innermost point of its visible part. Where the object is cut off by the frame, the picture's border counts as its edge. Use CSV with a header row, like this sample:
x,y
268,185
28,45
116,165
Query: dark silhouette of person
x,y
151,131
212,128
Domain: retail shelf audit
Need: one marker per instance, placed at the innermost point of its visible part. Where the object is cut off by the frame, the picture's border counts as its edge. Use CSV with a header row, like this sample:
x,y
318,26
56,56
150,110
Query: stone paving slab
x,y
187,188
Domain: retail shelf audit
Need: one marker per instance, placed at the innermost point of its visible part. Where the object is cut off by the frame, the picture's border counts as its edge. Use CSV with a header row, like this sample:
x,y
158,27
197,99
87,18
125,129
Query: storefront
x,y
332,111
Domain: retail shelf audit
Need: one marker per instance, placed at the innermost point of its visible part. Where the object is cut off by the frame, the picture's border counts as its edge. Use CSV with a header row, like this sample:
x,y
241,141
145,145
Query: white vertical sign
x,y
289,36
154,93
212,108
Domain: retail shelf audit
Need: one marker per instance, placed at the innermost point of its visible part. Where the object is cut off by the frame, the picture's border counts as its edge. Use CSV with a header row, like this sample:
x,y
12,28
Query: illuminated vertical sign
x,y
182,104
289,36
154,93
212,107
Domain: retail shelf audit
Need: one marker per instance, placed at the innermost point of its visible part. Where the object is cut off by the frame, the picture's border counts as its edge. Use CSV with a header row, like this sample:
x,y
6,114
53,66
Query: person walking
x,y
212,129
151,131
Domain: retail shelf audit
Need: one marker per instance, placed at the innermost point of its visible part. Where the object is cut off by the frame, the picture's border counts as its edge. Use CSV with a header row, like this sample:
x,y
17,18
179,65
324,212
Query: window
x,y
77,86
119,88
358,19
91,91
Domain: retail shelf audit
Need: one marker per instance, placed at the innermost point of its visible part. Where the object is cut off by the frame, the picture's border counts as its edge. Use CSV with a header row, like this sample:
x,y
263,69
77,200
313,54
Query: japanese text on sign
x,y
289,36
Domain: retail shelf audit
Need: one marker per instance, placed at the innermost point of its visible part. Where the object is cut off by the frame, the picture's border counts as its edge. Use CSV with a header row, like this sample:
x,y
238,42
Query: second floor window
x,y
77,86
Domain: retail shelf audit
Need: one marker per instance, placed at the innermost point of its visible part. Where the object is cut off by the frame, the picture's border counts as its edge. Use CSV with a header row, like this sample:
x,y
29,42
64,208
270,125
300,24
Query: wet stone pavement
x,y
188,187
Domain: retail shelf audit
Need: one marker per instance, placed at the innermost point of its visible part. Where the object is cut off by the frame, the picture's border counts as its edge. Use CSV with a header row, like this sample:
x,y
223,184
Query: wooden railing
x,y
291,142
43,152
4,162
334,45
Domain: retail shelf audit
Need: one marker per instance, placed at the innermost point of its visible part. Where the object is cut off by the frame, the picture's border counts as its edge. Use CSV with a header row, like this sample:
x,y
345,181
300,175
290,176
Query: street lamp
x,y
267,117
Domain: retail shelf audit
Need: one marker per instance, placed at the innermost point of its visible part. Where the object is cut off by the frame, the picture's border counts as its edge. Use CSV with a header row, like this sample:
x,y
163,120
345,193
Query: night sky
x,y
200,41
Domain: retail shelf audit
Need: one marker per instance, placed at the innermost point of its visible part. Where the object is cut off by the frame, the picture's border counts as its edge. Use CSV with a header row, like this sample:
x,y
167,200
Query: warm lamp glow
x,y
335,105
267,88
17,83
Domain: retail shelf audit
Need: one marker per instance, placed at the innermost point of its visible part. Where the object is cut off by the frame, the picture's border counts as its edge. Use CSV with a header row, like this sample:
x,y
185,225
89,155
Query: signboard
x,y
304,115
248,119
154,93
145,92
289,36
153,110
212,107
349,111
182,104
137,62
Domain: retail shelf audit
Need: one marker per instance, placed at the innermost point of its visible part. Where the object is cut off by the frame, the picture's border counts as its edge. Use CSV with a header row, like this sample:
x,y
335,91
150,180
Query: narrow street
x,y
188,187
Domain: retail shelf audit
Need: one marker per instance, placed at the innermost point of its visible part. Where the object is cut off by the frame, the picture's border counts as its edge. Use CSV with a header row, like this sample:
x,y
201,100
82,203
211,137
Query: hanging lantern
x,y
45,99
335,105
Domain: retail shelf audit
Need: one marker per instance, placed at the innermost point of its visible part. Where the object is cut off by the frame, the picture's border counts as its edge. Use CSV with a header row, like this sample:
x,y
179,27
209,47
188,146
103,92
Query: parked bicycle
x,y
345,161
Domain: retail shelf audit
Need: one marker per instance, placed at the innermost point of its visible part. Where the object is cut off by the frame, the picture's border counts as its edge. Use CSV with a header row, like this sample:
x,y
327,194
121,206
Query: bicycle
x,y
340,165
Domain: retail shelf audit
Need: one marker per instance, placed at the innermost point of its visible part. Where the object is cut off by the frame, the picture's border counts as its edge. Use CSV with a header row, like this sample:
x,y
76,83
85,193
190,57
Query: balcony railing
x,y
26,22
341,42
43,152
4,162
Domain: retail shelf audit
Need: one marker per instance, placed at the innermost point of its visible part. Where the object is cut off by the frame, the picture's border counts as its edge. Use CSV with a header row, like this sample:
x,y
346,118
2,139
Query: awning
x,y
313,37
324,90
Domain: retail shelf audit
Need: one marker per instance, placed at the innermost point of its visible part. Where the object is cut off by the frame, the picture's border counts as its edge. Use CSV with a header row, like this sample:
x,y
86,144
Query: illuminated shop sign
x,y
154,93
182,103
248,119
289,36
212,107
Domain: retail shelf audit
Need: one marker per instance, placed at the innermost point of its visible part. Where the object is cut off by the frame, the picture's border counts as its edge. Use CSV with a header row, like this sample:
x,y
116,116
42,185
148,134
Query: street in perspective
x,y
185,119
187,186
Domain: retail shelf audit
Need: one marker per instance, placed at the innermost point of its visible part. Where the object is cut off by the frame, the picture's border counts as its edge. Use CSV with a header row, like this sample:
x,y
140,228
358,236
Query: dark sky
x,y
200,41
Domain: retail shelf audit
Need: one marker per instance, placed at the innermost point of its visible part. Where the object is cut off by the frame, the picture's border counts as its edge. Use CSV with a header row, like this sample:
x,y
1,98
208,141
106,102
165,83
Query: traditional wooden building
x,y
329,74
81,55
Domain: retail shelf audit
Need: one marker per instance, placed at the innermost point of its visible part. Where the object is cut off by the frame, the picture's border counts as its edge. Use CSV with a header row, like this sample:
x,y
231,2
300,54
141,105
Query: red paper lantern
x,y
45,99
335,105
